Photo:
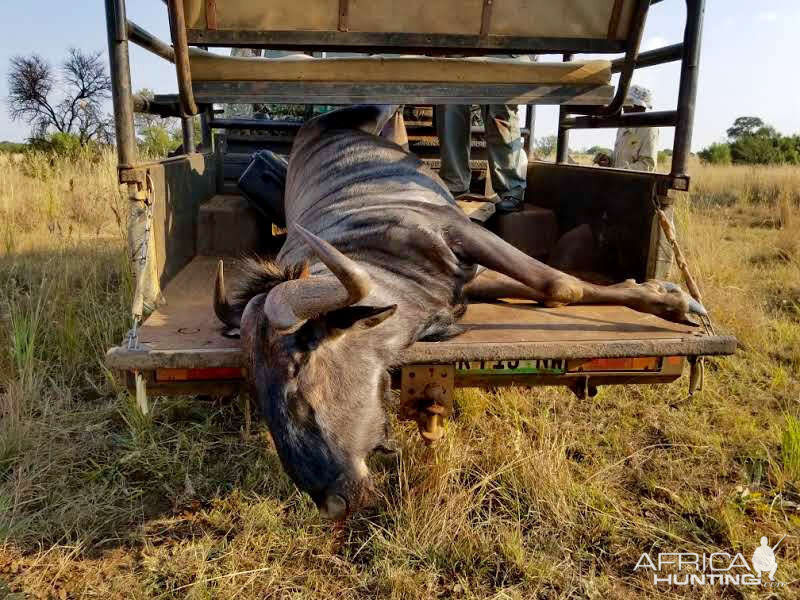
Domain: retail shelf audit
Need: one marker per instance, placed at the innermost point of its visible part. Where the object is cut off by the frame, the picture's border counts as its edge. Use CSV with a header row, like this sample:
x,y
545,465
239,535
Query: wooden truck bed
x,y
184,333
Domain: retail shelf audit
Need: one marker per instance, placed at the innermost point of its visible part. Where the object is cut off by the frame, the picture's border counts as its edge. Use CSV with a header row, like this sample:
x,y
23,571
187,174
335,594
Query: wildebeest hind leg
x,y
490,285
520,276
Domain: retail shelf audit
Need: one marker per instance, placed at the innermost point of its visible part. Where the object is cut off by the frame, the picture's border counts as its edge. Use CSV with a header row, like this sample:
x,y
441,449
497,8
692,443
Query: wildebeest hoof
x,y
695,307
664,299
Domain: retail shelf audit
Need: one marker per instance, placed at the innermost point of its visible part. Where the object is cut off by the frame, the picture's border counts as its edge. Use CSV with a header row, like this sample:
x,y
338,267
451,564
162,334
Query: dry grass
x,y
533,493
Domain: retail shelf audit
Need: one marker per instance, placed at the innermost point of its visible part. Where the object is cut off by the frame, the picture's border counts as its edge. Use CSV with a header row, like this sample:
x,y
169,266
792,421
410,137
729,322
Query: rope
x,y
697,373
680,259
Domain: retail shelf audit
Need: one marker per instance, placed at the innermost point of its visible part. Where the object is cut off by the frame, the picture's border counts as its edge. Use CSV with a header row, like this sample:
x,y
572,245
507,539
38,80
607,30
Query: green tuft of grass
x,y
790,447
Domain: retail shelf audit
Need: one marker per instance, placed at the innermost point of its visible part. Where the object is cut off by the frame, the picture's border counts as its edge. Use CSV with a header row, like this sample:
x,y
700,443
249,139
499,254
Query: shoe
x,y
509,204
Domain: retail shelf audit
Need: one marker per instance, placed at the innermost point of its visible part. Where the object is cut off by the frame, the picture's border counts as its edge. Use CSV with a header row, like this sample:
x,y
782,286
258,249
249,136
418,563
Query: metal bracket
x,y
133,336
426,396
583,389
131,174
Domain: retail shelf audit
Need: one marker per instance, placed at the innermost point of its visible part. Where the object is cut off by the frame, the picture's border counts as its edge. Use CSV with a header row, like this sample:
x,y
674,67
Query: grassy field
x,y
532,494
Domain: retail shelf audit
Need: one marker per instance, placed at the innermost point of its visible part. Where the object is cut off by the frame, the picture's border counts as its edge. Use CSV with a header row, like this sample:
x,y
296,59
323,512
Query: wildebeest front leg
x,y
520,276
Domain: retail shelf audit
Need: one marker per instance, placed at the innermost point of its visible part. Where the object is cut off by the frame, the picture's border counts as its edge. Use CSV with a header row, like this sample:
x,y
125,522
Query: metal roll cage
x,y
121,31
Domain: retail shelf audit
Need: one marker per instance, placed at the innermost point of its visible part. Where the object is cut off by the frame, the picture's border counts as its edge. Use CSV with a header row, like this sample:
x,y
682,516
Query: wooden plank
x,y
477,210
486,18
185,333
211,14
282,92
344,16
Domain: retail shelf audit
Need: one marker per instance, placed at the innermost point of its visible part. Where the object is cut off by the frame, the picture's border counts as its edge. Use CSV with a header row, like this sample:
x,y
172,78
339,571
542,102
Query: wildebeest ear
x,y
359,317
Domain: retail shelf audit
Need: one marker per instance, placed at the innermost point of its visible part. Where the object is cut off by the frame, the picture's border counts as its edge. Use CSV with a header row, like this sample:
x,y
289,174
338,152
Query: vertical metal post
x,y
205,130
687,92
562,148
187,128
119,65
530,123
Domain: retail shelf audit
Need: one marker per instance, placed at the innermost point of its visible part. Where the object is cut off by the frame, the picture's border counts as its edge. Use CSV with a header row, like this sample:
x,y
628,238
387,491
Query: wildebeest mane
x,y
259,276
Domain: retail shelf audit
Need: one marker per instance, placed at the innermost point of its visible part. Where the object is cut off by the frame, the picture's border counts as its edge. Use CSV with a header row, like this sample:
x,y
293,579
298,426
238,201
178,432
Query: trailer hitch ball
x,y
427,398
431,414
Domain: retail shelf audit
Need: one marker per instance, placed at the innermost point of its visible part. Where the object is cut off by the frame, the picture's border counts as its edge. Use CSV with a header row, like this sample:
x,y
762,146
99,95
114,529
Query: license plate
x,y
512,367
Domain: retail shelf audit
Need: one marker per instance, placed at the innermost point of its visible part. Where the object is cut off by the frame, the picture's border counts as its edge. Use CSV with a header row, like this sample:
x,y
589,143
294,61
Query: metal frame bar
x,y
120,68
283,92
413,43
629,64
177,28
144,39
120,31
682,119
651,58
687,91
664,118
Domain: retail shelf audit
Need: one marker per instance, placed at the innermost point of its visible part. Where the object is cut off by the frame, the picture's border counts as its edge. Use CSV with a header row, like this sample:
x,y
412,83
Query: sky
x,y
749,55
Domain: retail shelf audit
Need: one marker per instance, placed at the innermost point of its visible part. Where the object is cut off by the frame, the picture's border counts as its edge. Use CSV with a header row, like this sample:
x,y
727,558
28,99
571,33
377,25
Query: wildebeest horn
x,y
292,303
222,308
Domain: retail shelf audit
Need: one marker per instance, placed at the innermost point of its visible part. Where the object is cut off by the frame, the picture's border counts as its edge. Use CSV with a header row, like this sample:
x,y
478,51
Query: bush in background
x,y
716,154
753,142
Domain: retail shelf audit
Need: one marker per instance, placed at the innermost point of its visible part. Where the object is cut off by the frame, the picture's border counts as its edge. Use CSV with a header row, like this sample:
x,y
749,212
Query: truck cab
x,y
188,212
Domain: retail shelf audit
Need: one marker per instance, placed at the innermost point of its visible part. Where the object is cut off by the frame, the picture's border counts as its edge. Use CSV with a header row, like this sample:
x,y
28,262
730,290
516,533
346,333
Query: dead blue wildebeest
x,y
378,256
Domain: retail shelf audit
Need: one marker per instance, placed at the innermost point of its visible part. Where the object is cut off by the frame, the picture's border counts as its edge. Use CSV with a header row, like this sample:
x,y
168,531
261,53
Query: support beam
x,y
286,92
562,143
687,91
177,27
651,58
144,39
187,129
664,118
120,69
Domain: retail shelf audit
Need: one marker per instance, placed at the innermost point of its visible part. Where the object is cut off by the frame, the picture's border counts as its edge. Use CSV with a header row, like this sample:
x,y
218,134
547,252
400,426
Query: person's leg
x,y
507,160
453,129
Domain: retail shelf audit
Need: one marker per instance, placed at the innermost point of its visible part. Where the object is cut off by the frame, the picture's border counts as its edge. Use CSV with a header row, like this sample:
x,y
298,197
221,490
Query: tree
x,y
69,101
755,149
546,145
157,137
754,142
716,154
744,126
599,150
156,141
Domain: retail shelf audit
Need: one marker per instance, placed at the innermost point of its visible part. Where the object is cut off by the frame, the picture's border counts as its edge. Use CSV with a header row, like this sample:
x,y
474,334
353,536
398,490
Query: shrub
x,y
157,142
716,154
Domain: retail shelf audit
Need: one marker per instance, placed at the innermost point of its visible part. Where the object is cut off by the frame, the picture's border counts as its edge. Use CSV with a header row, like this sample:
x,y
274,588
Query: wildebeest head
x,y
315,369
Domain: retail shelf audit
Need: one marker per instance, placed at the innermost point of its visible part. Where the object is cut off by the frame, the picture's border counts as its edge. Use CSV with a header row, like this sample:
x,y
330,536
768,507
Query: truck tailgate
x,y
184,333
